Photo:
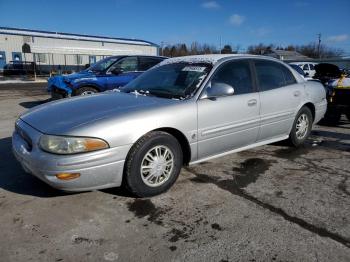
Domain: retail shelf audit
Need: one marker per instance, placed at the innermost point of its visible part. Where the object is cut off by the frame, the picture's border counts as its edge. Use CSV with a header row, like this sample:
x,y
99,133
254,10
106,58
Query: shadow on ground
x,y
31,104
332,140
14,179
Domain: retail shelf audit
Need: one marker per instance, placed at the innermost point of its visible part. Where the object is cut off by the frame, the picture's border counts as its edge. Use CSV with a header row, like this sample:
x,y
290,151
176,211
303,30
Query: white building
x,y
53,49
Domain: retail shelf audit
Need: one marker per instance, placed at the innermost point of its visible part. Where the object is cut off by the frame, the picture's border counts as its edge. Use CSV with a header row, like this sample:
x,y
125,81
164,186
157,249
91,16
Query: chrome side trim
x,y
265,142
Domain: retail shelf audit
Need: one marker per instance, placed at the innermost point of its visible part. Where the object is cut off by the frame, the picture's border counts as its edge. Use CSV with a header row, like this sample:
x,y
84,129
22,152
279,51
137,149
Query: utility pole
x,y
319,46
220,44
161,48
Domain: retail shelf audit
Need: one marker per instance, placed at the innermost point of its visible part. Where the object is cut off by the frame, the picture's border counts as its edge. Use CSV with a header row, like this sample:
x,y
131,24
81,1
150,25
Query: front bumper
x,y
58,93
99,169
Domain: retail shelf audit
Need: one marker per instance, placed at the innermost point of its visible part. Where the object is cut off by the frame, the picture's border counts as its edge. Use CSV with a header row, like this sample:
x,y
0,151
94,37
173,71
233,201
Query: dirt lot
x,y
272,203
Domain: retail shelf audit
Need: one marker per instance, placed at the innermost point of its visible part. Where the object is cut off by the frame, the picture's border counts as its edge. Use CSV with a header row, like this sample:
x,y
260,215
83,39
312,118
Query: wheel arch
x,y
183,141
312,108
98,88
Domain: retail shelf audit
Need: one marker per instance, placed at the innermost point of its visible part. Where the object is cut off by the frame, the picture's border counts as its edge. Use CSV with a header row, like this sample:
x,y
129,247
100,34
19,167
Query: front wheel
x,y
153,164
87,90
301,127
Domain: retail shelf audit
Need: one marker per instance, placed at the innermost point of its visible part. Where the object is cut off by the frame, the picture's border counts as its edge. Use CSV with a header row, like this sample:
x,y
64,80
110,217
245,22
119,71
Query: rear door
x,y
128,68
227,123
280,97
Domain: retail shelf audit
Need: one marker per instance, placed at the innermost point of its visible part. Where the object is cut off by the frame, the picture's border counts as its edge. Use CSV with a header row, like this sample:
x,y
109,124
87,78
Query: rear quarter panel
x,y
315,93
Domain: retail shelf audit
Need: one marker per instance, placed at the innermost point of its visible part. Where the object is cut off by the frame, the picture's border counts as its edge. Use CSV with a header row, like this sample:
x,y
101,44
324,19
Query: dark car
x,y
19,68
326,72
338,93
107,74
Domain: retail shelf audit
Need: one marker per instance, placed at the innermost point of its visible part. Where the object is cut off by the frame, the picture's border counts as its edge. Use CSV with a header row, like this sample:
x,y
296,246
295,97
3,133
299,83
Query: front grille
x,y
25,137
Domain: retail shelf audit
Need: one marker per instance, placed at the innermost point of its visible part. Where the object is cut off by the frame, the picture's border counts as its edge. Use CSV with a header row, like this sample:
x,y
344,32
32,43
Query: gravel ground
x,y
272,203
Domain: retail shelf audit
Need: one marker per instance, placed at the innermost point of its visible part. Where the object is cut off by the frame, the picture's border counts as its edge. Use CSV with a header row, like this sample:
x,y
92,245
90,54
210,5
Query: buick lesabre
x,y
181,112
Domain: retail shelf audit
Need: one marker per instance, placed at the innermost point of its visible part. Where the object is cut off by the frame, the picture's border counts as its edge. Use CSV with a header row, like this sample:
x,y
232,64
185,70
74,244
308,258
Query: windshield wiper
x,y
165,93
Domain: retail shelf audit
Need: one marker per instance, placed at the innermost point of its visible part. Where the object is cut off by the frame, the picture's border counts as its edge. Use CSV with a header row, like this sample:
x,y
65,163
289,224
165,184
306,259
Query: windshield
x,y
102,64
177,80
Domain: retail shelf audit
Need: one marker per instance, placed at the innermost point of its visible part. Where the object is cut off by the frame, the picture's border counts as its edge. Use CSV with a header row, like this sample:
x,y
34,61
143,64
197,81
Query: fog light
x,y
67,176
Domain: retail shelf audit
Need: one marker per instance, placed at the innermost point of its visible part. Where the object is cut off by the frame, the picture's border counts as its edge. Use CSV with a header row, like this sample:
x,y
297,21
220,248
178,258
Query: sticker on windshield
x,y
194,68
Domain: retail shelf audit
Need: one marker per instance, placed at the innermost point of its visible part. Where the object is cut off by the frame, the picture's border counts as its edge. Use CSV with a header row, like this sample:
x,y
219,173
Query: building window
x,y
78,59
41,58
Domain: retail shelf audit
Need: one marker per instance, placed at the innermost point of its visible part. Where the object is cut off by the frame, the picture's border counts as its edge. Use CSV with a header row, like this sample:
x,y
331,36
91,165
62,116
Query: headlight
x,y
71,145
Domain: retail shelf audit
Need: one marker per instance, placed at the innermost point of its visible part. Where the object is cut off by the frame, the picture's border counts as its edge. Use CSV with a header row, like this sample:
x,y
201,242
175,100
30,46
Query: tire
x,y
86,90
348,116
144,183
296,139
332,117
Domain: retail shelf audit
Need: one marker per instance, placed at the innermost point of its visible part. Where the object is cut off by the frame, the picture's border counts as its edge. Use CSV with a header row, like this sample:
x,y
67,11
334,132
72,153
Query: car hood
x,y
60,117
82,74
71,77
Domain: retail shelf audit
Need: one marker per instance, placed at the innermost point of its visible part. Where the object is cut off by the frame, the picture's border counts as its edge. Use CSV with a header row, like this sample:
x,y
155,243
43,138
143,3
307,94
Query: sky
x,y
237,22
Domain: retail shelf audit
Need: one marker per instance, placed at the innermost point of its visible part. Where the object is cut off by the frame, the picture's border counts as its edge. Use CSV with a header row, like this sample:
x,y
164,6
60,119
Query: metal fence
x,y
47,64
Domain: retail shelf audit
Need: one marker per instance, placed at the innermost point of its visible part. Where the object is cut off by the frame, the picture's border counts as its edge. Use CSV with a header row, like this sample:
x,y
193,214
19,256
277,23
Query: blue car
x,y
107,74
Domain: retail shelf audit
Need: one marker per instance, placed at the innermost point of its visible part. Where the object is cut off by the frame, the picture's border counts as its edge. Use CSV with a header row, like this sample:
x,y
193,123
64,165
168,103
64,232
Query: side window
x,y
273,75
236,74
312,67
148,62
128,64
306,67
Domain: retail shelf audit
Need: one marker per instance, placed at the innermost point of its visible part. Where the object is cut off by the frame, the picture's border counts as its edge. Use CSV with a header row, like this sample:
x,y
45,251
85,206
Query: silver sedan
x,y
181,112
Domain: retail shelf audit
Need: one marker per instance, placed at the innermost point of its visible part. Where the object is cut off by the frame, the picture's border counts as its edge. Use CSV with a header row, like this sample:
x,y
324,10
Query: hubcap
x,y
87,93
302,126
157,165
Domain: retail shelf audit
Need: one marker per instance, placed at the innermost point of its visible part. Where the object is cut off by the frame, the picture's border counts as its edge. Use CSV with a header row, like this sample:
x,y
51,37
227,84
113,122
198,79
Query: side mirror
x,y
117,71
217,89
307,74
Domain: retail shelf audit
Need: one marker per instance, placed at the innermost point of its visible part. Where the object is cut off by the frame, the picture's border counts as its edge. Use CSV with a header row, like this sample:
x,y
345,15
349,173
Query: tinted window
x,y
306,67
128,64
148,62
312,67
103,64
237,74
273,75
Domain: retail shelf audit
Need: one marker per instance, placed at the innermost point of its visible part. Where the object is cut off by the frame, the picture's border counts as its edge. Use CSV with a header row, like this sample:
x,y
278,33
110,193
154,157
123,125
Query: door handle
x,y
297,93
252,102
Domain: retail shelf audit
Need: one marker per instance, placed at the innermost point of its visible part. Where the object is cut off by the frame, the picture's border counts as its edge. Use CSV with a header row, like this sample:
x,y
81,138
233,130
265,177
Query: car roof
x,y
211,58
119,56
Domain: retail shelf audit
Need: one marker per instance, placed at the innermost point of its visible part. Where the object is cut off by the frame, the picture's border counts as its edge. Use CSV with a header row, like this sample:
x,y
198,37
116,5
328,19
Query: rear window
x,y
148,62
273,75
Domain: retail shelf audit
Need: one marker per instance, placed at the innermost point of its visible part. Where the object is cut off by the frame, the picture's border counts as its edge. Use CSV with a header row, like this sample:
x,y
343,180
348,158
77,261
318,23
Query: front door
x,y
280,96
2,60
230,122
127,70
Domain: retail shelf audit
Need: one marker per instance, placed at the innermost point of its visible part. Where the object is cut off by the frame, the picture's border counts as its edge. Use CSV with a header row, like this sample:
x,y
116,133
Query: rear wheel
x,y
332,117
301,127
86,90
153,164
348,116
